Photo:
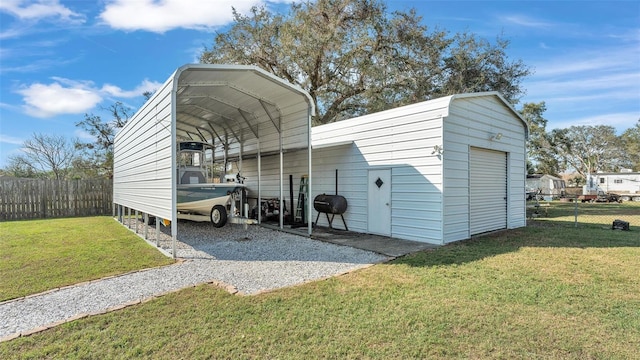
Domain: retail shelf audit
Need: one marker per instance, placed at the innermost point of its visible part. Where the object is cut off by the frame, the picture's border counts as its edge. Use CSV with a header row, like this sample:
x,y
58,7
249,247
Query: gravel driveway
x,y
244,261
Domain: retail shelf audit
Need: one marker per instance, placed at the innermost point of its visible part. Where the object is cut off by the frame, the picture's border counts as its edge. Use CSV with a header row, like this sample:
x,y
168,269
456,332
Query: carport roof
x,y
235,103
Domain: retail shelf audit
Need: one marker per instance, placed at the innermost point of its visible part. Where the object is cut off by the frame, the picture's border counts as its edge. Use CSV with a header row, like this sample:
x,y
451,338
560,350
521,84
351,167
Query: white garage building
x,y
436,172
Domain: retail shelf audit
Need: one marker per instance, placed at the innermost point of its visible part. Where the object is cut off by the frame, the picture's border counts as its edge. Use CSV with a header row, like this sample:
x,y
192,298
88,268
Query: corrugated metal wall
x,y
402,140
143,158
472,121
429,203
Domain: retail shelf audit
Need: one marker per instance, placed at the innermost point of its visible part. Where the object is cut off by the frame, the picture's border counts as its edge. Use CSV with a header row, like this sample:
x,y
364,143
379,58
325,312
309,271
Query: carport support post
x,y
281,174
259,205
174,237
146,225
157,232
309,186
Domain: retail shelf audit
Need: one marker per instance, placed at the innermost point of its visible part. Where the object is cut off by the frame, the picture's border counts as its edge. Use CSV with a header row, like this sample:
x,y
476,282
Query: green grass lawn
x,y
40,255
588,214
541,292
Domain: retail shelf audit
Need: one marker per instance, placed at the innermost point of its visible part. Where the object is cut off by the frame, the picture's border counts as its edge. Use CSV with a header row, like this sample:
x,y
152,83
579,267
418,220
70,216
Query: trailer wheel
x,y
218,216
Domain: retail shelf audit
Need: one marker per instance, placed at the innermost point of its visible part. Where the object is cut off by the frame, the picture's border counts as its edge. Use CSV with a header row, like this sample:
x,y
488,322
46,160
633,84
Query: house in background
x,y
547,186
625,183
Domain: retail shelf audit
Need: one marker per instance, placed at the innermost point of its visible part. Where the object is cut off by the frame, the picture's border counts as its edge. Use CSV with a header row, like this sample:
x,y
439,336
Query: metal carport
x,y
243,110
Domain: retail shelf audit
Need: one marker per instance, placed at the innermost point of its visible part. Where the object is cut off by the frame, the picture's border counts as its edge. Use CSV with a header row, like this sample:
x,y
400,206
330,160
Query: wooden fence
x,y
44,198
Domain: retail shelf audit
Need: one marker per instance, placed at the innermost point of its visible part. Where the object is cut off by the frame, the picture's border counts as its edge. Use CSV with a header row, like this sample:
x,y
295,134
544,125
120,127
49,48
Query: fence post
x,y
575,212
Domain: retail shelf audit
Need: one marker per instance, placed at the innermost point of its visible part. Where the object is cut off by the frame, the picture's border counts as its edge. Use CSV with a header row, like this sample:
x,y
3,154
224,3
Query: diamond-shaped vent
x,y
379,183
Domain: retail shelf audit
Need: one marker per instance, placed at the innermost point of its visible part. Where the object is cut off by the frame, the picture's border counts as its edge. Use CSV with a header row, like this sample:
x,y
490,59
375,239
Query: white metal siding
x,y
430,193
487,190
143,158
472,121
400,139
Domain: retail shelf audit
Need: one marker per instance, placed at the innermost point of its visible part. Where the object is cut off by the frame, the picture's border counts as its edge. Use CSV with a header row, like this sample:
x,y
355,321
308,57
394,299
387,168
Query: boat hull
x,y
201,198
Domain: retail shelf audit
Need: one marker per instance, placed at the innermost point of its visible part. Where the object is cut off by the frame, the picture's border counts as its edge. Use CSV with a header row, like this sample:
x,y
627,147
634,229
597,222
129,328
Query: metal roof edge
x,y
256,69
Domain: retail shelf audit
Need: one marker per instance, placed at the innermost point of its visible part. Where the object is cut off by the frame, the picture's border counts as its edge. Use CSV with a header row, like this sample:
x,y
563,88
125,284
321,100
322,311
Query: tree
x,y
18,166
43,154
542,156
588,149
98,155
353,58
631,143
476,65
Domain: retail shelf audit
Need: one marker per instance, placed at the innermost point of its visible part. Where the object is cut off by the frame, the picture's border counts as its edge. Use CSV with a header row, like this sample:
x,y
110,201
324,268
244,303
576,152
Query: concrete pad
x,y
380,244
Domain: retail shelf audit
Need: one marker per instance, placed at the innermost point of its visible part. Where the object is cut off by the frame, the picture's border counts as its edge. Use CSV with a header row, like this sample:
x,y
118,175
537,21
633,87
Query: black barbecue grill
x,y
330,204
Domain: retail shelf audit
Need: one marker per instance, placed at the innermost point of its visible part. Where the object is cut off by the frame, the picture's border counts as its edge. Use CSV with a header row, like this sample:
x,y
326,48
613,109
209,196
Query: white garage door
x,y
488,190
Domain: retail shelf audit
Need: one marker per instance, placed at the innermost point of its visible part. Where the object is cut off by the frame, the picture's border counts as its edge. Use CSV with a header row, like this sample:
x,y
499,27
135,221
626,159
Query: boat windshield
x,y
195,163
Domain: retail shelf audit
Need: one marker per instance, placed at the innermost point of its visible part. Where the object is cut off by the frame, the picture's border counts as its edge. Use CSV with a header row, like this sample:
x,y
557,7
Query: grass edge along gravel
x,y
41,255
538,292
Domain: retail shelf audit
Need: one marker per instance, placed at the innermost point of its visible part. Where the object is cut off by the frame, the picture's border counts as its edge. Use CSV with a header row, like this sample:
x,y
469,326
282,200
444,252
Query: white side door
x,y
379,202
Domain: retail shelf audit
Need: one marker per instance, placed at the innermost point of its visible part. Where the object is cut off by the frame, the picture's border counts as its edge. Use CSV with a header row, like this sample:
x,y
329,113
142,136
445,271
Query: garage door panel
x,y
488,190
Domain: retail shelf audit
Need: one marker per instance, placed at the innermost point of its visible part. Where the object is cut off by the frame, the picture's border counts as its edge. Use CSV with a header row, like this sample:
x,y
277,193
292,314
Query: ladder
x,y
302,199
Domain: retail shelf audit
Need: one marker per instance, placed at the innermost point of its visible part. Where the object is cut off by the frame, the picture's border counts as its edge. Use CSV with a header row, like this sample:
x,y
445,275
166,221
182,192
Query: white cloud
x,y
618,120
587,61
624,85
49,100
588,75
10,33
42,9
10,140
589,86
83,135
146,85
65,96
162,16
526,21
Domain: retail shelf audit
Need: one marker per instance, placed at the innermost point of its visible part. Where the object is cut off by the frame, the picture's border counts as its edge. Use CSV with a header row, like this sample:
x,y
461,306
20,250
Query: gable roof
x,y
501,99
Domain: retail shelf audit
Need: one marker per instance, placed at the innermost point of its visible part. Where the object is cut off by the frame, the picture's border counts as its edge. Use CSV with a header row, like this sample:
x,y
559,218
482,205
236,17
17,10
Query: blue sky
x,y
60,59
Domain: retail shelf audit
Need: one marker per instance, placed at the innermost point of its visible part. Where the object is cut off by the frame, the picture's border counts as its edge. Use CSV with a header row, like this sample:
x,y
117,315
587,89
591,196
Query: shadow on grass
x,y
546,234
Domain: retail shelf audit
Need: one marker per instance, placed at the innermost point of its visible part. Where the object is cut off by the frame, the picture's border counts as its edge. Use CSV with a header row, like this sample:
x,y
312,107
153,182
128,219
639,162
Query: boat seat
x,y
192,177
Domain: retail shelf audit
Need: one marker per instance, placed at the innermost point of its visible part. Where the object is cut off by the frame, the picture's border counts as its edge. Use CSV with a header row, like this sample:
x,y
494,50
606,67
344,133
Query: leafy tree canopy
x,y
542,155
631,143
98,155
354,58
589,149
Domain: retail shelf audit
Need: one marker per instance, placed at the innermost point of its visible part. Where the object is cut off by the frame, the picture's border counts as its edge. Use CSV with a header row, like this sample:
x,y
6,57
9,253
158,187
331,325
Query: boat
x,y
196,196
